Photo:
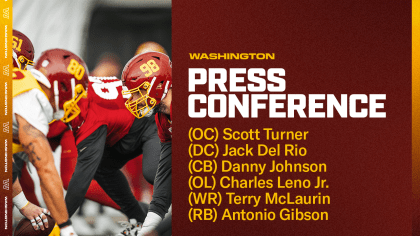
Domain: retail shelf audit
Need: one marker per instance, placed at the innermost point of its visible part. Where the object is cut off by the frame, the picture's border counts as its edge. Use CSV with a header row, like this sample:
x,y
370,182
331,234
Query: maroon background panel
x,y
325,47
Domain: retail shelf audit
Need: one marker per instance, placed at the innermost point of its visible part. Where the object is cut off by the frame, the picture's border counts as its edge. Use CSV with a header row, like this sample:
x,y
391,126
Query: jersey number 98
x,y
149,67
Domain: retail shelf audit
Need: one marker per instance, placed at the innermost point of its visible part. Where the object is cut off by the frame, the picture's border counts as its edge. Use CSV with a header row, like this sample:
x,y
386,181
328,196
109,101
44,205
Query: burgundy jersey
x,y
164,125
104,105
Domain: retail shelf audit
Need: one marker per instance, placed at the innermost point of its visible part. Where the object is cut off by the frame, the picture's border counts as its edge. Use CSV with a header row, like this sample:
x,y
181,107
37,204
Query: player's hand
x,y
67,231
36,215
151,233
147,231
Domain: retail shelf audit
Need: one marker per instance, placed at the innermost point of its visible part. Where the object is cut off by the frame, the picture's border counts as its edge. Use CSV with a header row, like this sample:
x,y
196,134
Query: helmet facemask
x,y
21,61
24,62
71,109
142,106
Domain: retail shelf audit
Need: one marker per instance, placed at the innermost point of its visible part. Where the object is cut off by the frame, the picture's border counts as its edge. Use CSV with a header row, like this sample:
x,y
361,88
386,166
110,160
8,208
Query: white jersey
x,y
35,108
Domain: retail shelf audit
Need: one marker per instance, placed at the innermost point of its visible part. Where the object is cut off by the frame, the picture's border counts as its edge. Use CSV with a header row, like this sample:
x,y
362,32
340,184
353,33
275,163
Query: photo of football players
x,y
138,134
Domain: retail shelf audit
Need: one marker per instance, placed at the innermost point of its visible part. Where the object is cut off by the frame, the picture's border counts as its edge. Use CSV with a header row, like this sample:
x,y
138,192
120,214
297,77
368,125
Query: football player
x,y
148,77
23,54
107,136
32,111
109,65
23,50
66,72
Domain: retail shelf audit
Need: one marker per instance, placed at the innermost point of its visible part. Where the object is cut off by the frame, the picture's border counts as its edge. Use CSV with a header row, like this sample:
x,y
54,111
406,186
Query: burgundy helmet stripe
x,y
56,94
73,85
166,90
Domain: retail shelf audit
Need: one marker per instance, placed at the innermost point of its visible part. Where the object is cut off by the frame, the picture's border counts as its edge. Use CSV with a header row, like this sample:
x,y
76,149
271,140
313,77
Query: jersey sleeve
x,y
57,128
35,108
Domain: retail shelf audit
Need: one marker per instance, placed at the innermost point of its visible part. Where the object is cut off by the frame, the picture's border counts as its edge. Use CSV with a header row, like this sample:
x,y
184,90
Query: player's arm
x,y
39,152
68,165
162,190
90,151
